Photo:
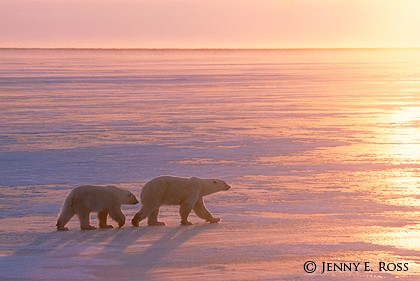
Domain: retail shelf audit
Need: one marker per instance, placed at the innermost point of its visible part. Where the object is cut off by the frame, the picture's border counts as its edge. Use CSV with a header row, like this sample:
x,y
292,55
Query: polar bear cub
x,y
104,200
186,192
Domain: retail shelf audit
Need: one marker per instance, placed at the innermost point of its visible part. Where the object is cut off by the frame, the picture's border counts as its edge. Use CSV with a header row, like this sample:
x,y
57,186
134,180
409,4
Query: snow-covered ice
x,y
320,148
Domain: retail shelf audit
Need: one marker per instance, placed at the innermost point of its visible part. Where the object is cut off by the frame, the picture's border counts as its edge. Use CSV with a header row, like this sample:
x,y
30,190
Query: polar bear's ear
x,y
214,181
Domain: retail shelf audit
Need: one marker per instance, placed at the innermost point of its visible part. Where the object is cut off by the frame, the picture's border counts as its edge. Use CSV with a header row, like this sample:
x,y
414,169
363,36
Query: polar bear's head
x,y
209,186
220,185
127,197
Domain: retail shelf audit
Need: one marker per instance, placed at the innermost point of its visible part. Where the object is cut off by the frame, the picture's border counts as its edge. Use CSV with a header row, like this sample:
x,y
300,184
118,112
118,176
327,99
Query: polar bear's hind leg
x,y
184,211
152,219
102,217
84,221
144,212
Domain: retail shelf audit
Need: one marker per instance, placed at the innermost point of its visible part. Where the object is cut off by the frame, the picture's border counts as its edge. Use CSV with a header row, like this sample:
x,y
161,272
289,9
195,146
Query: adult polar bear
x,y
186,192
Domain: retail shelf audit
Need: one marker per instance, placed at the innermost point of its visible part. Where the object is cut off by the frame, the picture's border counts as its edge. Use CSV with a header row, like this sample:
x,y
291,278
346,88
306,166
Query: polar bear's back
x,y
168,190
94,198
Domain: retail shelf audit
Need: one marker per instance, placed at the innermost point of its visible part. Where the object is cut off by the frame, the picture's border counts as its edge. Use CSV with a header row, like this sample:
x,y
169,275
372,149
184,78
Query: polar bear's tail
x,y
67,212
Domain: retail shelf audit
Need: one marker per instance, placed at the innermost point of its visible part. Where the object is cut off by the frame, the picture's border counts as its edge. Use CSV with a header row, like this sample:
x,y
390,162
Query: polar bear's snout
x,y
132,199
227,187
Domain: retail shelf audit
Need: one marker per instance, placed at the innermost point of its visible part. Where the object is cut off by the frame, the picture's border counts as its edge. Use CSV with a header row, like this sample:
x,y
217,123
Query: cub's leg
x,y
117,216
64,218
184,211
84,221
201,211
152,219
102,217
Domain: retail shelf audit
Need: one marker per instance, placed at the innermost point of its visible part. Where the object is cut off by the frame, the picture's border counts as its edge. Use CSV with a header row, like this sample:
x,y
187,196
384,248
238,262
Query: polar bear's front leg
x,y
184,211
65,216
117,216
201,211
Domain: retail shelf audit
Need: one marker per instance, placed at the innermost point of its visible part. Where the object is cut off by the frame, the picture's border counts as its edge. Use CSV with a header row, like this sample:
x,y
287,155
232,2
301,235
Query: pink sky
x,y
209,23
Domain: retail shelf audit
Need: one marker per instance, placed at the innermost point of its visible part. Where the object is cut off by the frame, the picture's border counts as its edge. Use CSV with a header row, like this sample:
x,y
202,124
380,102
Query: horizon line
x,y
207,49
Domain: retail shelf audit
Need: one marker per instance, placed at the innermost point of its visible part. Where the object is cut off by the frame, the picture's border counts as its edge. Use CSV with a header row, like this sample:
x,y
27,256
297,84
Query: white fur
x,y
104,200
186,192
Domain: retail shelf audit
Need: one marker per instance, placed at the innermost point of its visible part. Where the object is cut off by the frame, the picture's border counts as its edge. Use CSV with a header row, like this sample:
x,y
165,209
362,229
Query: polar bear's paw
x,y
89,227
214,220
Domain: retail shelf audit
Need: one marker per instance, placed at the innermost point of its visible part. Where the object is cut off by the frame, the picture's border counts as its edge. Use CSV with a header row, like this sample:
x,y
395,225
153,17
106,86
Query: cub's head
x,y
128,198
